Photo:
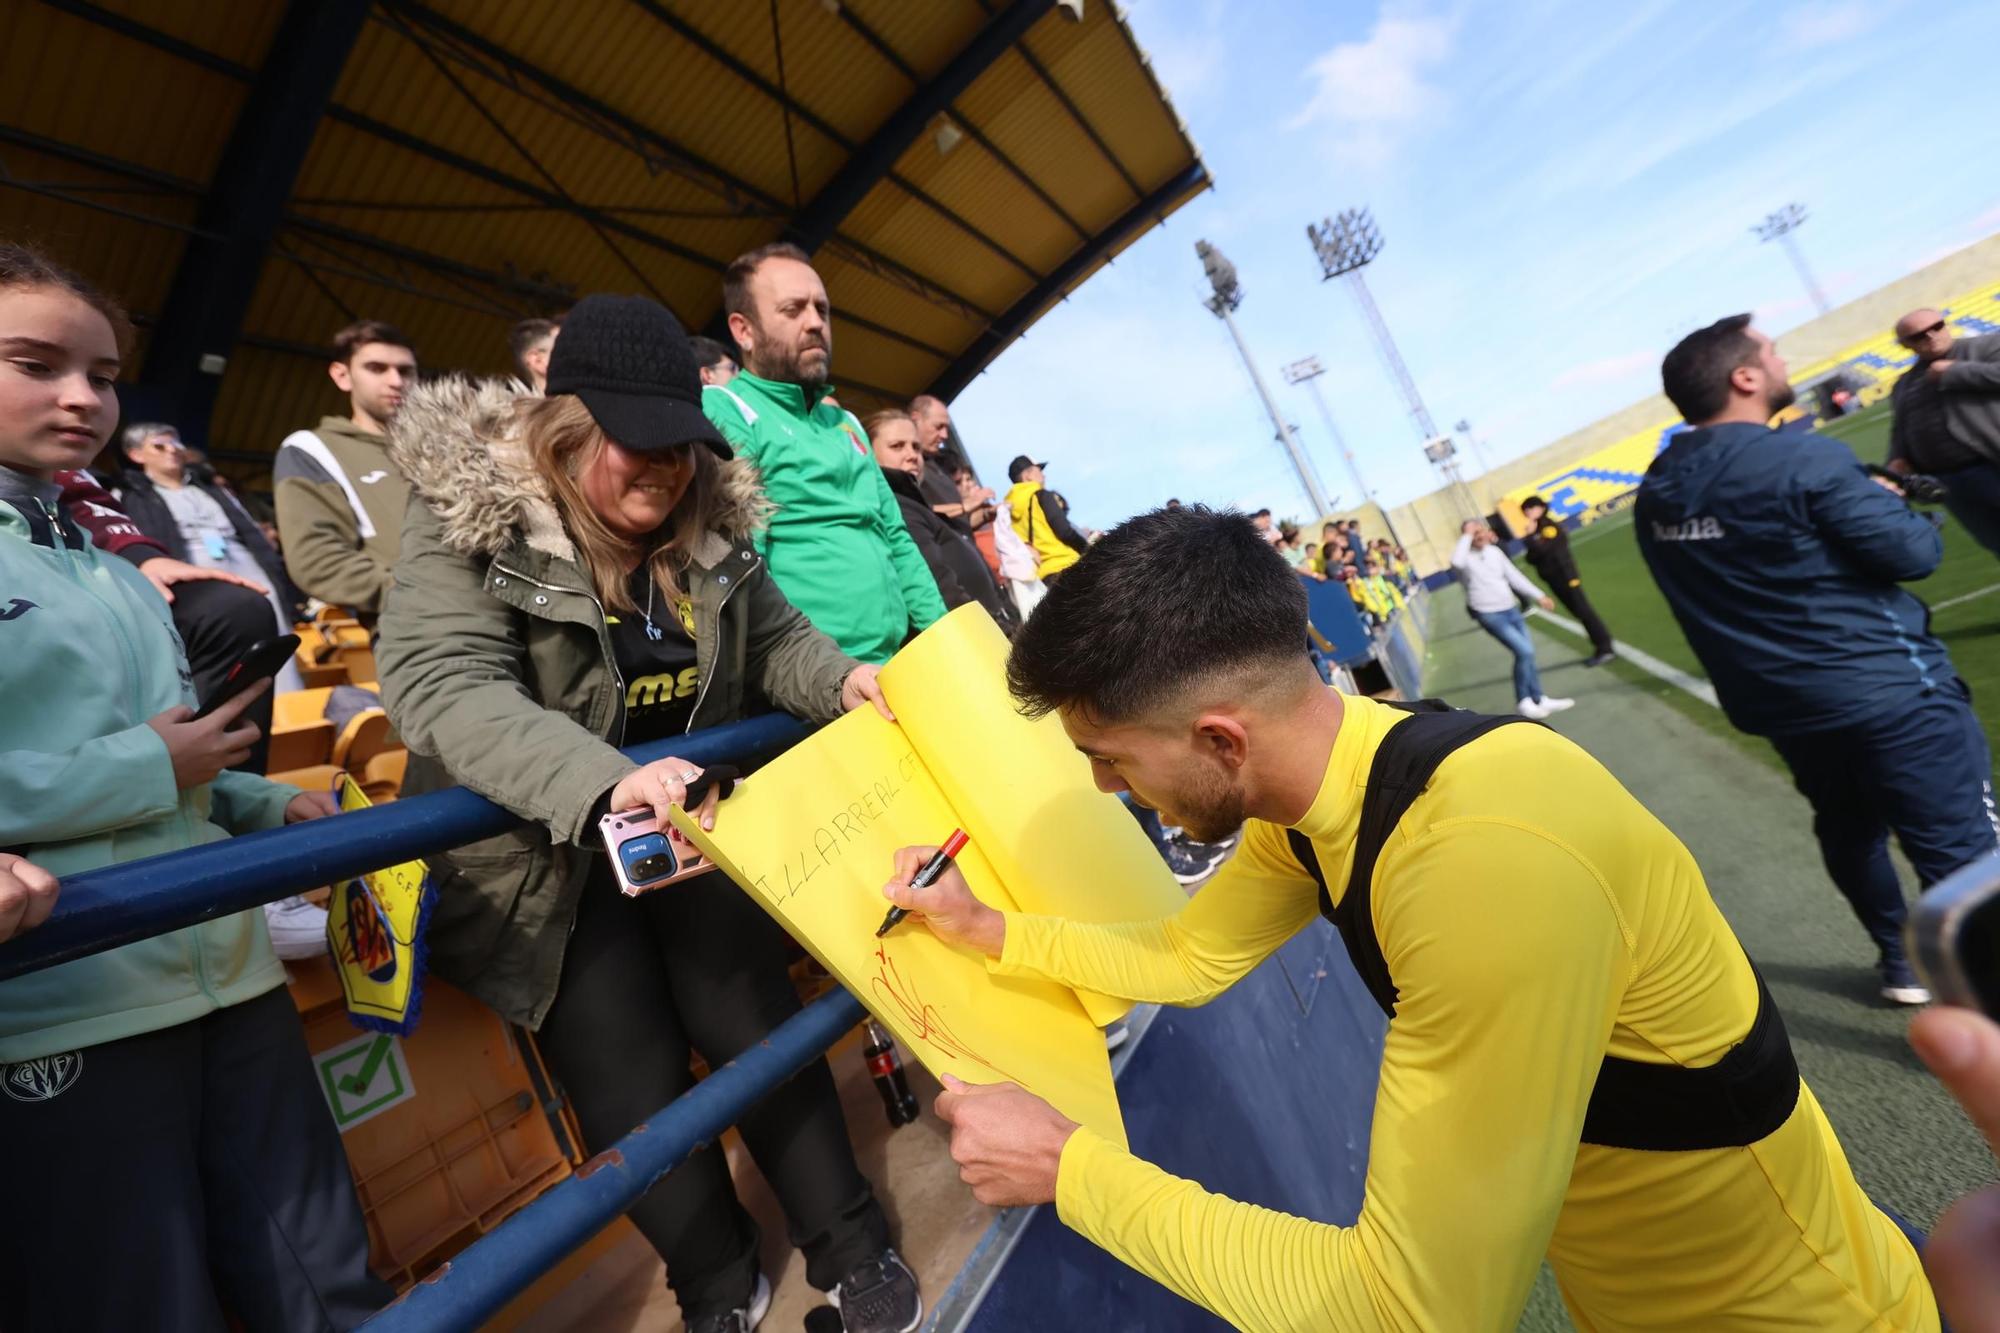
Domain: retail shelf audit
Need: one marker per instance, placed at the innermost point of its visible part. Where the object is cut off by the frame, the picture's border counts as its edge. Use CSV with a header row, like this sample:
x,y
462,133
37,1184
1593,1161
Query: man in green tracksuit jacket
x,y
836,542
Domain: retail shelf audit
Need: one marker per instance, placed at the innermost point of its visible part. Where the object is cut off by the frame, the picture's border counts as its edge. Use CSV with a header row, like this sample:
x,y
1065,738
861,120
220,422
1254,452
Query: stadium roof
x,y
249,176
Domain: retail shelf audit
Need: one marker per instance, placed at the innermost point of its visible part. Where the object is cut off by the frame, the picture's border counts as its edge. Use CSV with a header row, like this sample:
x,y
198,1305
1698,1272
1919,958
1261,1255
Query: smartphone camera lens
x,y
647,858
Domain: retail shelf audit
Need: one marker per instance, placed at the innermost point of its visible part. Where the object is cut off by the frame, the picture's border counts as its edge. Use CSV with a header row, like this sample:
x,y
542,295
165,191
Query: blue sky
x,y
1565,187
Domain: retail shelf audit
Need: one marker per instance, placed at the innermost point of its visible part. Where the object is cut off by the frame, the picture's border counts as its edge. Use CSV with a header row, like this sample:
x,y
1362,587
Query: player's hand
x,y
1007,1142
27,895
661,786
1886,483
863,687
163,572
1546,603
947,907
1936,369
311,805
1962,1047
202,748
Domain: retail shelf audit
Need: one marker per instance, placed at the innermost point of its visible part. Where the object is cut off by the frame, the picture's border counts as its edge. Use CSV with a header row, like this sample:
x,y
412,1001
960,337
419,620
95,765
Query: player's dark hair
x,y
1695,375
1161,600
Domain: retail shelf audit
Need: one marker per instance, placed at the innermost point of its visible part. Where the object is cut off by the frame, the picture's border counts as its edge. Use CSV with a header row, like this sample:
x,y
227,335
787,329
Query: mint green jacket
x,y
88,652
836,542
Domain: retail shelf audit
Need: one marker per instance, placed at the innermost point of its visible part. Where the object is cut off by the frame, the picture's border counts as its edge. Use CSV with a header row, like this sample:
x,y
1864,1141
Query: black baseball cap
x,y
631,363
1021,464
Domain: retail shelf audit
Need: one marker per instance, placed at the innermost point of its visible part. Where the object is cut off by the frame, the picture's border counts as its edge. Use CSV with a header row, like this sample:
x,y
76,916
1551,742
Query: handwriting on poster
x,y
828,839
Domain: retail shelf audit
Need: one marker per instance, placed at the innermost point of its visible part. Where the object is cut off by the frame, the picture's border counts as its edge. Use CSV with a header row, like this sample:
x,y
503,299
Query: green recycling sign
x,y
363,1078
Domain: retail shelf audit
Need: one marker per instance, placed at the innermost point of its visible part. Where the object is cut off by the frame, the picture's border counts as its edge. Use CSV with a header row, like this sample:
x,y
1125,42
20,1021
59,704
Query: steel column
x,y
874,160
953,379
245,204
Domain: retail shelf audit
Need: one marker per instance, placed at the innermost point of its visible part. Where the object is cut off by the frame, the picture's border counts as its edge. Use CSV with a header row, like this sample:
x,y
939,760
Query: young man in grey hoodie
x,y
340,500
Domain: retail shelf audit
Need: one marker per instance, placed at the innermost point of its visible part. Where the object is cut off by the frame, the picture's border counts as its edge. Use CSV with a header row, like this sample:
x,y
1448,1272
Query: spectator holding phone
x,y
581,575
176,1135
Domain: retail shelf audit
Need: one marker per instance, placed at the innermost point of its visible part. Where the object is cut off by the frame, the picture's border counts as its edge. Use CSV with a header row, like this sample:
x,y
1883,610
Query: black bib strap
x,y
1402,768
1650,1107
1736,1101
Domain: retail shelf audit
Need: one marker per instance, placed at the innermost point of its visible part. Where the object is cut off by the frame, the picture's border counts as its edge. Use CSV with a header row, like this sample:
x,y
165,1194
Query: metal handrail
x,y
474,1286
135,900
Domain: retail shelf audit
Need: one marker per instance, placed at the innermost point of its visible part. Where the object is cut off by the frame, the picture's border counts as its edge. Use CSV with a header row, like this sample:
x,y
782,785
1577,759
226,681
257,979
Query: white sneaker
x,y
1533,709
1551,704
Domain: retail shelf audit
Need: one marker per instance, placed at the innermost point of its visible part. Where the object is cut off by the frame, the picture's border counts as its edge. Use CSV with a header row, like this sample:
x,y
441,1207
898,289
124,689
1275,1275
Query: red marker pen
x,y
926,877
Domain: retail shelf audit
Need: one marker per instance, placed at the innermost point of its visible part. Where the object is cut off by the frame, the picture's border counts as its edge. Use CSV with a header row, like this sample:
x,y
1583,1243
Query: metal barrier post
x,y
474,1286
135,900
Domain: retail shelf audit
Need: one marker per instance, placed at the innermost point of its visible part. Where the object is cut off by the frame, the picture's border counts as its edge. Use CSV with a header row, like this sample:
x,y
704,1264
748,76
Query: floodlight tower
x,y
1307,371
1346,245
1779,227
1228,294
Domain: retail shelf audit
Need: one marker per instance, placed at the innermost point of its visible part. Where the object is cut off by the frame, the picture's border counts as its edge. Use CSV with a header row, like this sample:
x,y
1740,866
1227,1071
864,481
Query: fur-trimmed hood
x,y
455,441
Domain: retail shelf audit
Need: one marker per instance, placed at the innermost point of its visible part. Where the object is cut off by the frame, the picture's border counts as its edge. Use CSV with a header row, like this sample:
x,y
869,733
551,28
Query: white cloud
x,y
1605,370
1376,92
1828,23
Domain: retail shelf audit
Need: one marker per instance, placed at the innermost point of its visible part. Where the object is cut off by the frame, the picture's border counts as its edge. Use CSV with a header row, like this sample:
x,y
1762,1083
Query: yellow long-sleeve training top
x,y
1534,917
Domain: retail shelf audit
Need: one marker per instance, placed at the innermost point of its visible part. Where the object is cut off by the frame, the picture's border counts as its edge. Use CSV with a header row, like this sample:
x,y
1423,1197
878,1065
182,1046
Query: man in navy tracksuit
x,y
1781,557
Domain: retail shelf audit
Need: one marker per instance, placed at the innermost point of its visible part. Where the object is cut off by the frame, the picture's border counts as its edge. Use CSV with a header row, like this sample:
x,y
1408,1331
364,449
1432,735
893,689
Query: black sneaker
x,y
1190,863
740,1320
1599,659
880,1296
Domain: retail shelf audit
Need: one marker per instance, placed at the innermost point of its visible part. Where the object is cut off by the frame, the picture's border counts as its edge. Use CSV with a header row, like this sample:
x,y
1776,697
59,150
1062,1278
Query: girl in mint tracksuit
x,y
170,1156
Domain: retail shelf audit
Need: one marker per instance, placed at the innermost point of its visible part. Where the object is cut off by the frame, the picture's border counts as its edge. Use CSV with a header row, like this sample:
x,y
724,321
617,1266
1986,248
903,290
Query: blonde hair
x,y
562,441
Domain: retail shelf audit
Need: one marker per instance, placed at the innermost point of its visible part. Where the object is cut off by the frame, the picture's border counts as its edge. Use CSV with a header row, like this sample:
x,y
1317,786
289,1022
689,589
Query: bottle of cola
x,y
885,1066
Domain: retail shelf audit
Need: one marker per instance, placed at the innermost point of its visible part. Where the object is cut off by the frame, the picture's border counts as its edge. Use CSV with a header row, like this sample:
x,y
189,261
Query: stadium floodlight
x,y
1779,227
1346,245
1228,294
1307,371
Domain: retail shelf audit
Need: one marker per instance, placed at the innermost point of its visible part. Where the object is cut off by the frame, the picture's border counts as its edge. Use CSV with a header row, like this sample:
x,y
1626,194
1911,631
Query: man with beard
x,y
1781,557
1947,422
1580,1062
836,543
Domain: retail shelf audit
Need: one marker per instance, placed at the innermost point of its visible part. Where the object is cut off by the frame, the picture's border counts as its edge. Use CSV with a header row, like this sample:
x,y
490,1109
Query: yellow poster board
x,y
812,834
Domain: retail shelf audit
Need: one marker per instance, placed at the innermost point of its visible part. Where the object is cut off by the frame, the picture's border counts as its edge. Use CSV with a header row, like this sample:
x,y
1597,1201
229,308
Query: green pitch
x,y
1965,593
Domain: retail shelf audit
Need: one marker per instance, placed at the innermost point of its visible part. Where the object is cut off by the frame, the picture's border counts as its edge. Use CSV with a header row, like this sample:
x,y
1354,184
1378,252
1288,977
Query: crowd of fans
x,y
637,534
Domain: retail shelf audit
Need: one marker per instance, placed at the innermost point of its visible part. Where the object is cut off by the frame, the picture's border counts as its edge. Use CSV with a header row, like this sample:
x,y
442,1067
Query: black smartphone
x,y
260,661
1955,936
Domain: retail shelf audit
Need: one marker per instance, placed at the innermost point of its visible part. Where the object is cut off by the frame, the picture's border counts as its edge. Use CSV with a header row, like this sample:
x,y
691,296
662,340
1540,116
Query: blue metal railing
x,y
102,909
474,1286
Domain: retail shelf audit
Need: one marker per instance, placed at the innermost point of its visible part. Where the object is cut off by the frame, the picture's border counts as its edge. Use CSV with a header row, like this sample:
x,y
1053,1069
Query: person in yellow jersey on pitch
x,y
1581,1063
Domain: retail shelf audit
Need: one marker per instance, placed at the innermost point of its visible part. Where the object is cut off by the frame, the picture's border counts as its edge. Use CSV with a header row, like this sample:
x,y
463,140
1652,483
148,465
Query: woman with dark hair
x,y
956,564
579,575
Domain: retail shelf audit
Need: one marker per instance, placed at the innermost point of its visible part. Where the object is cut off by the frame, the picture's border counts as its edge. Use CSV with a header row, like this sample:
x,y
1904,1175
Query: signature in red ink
x,y
926,1024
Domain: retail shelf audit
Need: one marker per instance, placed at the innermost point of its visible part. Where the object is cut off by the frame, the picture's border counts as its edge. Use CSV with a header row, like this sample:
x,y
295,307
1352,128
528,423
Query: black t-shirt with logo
x,y
657,661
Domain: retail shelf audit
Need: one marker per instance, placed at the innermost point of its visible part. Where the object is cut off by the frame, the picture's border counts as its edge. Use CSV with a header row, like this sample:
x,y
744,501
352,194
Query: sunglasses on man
x,y
1921,335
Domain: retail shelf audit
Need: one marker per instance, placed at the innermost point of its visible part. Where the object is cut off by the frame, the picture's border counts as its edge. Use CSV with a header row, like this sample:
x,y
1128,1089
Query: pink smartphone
x,y
645,856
